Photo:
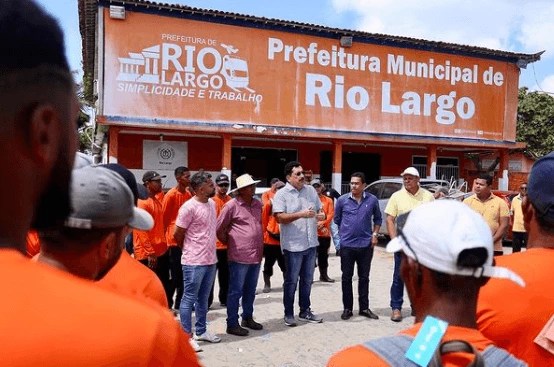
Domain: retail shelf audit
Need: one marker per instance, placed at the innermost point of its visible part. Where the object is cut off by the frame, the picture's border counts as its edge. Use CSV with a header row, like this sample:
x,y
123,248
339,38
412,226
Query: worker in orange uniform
x,y
324,232
76,324
222,266
150,247
272,241
446,253
171,203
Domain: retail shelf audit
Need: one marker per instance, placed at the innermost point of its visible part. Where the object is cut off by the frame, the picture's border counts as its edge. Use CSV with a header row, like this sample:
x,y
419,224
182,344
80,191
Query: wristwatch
x,y
375,234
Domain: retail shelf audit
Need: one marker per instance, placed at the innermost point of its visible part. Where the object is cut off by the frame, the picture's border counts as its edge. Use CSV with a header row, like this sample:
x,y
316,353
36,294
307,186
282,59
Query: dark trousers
x,y
323,252
272,254
222,278
397,286
362,258
175,276
519,240
162,271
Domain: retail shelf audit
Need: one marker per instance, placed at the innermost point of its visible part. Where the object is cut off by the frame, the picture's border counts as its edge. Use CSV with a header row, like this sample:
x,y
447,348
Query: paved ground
x,y
307,344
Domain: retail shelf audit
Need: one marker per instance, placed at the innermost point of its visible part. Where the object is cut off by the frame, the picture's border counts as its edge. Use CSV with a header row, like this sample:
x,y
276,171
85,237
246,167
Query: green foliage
x,y
535,122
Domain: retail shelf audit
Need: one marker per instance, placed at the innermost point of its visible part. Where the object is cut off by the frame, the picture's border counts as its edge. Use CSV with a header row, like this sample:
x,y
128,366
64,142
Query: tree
x,y
535,122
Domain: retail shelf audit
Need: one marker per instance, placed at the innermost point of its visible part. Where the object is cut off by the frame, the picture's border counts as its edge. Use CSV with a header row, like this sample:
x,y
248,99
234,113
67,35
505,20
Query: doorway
x,y
261,163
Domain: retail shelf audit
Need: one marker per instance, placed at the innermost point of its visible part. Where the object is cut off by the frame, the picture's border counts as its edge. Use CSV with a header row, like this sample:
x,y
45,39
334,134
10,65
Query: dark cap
x,y
152,175
221,179
540,191
139,191
273,180
278,184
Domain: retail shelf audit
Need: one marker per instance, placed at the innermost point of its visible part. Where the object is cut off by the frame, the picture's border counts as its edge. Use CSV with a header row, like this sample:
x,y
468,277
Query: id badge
x,y
426,341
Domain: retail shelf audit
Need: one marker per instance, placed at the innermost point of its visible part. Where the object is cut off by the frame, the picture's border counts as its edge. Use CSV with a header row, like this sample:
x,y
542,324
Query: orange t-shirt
x,y
324,226
219,202
360,356
150,242
79,324
32,245
267,196
171,203
128,276
269,223
513,316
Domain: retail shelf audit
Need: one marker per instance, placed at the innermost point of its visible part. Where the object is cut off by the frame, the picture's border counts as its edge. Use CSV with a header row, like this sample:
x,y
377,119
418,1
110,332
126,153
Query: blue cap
x,y
540,190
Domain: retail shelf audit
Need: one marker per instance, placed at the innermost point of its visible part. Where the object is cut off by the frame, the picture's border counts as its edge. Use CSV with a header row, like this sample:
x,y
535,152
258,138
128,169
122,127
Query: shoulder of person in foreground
x,y
356,356
93,327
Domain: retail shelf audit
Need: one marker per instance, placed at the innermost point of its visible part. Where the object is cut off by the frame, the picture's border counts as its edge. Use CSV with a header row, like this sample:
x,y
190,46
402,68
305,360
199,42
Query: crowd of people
x,y
470,306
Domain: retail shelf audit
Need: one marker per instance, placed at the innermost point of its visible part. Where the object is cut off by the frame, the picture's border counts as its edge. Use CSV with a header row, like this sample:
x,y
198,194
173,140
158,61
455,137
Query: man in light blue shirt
x,y
297,208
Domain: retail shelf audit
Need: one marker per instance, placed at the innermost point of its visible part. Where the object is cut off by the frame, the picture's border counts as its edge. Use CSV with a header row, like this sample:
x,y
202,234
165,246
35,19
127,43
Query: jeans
x,y
298,265
222,267
176,276
243,279
362,257
198,280
397,287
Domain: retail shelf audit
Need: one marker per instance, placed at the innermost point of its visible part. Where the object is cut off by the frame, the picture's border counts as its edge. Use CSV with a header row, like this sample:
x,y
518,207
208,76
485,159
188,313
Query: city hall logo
x,y
190,71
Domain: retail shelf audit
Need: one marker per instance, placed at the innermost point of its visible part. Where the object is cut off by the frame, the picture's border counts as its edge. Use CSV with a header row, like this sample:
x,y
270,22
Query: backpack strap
x,y
392,349
495,356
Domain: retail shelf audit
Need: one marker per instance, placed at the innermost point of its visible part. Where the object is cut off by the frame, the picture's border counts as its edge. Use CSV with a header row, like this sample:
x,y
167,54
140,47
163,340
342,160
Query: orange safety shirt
x,y
219,202
80,324
171,203
360,356
150,242
512,316
128,276
269,224
324,226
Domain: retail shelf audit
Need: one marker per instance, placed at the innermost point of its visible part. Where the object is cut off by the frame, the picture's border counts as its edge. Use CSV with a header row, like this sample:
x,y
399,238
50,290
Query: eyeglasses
x,y
523,188
223,185
301,173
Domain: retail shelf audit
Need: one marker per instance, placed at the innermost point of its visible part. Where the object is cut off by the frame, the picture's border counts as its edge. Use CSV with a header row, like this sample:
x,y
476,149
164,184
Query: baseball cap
x,y
436,233
410,171
273,180
100,198
540,191
279,184
139,191
221,179
152,175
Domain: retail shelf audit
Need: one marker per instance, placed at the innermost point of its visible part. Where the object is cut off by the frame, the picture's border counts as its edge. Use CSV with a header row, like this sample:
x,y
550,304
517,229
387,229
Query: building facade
x,y
235,93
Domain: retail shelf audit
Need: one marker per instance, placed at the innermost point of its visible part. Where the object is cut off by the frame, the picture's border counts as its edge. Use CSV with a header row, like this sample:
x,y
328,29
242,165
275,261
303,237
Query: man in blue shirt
x,y
354,213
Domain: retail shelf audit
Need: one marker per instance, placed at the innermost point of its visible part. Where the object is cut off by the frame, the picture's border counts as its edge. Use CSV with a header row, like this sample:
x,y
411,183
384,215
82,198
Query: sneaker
x,y
309,316
290,321
251,324
207,337
195,345
237,330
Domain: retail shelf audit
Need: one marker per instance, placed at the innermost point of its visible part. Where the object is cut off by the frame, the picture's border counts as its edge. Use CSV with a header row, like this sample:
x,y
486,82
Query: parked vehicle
x,y
383,190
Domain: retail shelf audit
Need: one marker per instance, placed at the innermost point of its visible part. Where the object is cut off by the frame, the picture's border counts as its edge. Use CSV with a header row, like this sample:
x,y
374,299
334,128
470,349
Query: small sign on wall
x,y
164,155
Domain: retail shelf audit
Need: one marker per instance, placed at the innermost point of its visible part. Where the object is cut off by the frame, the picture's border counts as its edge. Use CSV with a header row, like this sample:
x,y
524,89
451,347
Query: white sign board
x,y
164,155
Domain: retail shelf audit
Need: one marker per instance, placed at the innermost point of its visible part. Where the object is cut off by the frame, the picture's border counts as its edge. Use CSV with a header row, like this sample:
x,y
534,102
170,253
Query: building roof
x,y
88,12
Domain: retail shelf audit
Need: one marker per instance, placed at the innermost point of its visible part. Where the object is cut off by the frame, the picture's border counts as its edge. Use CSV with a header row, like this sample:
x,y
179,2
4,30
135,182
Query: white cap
x,y
410,171
437,232
100,198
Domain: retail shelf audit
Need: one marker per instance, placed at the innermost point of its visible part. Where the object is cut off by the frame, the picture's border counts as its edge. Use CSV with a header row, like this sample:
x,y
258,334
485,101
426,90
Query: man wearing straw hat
x,y
239,225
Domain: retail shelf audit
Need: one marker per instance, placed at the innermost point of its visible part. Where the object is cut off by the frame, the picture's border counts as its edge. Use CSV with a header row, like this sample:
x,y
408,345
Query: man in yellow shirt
x,y
519,233
407,198
494,210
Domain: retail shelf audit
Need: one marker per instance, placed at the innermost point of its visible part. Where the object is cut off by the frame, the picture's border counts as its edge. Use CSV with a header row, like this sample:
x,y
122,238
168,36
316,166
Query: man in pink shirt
x,y
240,226
195,232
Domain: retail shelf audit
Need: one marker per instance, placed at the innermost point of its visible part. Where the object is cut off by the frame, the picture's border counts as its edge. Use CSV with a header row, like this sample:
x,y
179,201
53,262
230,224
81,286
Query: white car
x,y
383,190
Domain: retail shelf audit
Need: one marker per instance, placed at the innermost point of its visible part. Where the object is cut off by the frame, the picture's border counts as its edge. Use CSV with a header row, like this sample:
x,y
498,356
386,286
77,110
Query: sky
x,y
508,25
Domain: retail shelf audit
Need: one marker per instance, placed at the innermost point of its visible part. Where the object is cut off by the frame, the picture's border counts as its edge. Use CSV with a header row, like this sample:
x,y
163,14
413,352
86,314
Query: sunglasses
x,y
223,185
524,188
301,173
